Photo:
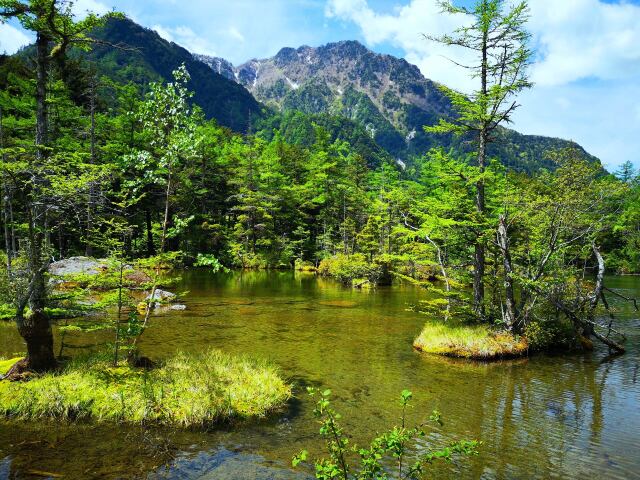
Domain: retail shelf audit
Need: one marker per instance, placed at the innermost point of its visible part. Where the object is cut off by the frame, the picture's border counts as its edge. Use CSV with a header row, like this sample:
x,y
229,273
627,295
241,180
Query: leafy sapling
x,y
386,455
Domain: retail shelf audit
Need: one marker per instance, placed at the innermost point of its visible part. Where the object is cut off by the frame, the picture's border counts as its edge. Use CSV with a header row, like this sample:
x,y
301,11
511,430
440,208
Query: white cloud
x,y
81,7
405,28
163,32
579,39
235,33
575,39
11,39
187,38
238,30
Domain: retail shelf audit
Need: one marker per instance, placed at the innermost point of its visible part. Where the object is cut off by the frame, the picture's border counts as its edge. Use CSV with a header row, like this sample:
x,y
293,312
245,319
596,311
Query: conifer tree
x,y
497,40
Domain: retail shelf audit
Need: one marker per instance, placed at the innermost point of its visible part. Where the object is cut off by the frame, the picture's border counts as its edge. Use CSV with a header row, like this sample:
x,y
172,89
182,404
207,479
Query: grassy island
x,y
477,342
199,390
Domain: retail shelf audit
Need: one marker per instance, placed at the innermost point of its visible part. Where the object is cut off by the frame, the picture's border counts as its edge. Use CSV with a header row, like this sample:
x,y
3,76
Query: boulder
x,y
77,266
92,266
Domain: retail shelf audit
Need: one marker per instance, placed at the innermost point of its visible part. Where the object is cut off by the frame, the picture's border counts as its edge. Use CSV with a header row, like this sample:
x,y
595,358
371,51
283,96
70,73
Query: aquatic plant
x,y
188,390
387,455
469,341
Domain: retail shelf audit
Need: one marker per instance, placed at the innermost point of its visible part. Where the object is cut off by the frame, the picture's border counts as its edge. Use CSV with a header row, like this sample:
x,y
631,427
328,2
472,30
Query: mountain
x,y
145,57
386,95
376,102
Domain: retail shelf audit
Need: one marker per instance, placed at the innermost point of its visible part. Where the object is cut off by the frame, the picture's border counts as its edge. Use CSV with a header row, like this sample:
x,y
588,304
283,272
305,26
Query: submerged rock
x,y
178,307
162,295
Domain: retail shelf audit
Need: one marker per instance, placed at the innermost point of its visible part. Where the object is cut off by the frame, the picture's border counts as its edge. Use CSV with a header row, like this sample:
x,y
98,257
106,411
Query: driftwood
x,y
17,372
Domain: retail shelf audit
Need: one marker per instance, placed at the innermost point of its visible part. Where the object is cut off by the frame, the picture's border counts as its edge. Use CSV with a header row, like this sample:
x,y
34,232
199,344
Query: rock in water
x,y
160,297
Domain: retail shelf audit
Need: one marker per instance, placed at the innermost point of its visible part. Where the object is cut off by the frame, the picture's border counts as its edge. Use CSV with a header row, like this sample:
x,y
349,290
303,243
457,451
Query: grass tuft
x,y
478,342
5,365
189,390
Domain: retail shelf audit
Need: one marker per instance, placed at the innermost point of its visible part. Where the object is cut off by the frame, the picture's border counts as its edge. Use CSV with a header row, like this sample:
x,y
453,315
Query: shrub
x,y
544,335
351,269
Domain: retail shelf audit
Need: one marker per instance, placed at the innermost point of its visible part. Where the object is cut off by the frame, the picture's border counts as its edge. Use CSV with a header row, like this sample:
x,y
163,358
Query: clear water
x,y
573,416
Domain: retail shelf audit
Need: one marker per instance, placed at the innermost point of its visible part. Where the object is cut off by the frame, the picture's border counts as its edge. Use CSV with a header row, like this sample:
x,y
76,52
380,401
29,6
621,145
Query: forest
x,y
512,261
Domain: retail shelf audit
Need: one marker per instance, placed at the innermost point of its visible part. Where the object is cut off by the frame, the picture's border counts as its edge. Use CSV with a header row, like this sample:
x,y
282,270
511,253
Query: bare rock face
x,y
77,266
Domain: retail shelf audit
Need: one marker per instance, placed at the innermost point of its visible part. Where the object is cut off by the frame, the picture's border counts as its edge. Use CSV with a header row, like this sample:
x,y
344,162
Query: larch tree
x,y
497,41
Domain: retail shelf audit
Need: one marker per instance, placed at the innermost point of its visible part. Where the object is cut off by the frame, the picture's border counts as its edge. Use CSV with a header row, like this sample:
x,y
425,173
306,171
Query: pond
x,y
571,416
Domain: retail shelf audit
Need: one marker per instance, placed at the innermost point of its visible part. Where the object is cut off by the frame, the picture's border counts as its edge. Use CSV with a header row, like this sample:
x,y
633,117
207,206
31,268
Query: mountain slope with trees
x,y
144,57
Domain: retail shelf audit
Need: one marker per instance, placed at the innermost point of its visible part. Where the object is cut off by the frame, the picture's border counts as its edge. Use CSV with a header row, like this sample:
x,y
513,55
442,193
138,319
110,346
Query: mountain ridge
x,y
387,95
377,95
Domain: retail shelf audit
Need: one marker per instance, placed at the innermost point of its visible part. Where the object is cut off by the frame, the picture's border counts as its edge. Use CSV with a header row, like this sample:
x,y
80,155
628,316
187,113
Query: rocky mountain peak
x,y
218,65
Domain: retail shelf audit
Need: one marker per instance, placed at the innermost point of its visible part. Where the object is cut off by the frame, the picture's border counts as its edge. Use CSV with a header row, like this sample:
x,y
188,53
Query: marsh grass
x,y
189,390
469,341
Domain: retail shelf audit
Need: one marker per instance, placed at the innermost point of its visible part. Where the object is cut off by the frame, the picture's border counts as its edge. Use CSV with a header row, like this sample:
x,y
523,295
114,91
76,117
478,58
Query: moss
x,y
5,365
477,342
188,390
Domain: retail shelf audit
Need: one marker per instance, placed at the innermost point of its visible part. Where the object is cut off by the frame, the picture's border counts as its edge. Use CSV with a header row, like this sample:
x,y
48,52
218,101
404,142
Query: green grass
x,y
5,365
188,390
469,341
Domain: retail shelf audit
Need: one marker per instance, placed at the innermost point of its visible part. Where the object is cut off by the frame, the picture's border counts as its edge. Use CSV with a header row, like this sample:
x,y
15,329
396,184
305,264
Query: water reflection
x,y
545,417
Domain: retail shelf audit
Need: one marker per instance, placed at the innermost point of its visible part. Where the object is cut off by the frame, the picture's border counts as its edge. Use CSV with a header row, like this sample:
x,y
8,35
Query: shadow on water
x,y
550,416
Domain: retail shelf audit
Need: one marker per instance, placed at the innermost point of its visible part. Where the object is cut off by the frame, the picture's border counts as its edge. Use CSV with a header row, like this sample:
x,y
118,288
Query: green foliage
x,y
391,454
350,269
207,260
133,169
545,335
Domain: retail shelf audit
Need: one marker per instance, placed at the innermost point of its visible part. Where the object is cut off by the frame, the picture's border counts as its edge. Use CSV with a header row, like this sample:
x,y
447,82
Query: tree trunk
x,y
36,331
165,222
92,161
36,328
509,314
479,253
6,201
151,249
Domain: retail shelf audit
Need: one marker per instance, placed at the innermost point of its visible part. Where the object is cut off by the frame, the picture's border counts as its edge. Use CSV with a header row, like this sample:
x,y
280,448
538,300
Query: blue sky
x,y
587,72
